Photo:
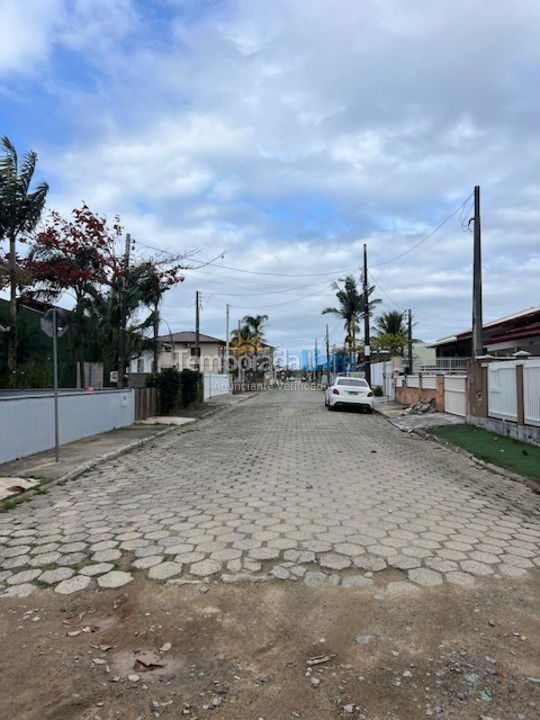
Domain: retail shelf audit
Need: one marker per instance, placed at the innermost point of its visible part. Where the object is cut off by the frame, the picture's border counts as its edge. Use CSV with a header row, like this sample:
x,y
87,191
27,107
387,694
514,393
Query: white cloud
x,y
289,138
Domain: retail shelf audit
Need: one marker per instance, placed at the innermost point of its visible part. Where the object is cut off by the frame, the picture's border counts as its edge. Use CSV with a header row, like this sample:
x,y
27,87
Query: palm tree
x,y
351,305
391,323
391,332
20,211
255,324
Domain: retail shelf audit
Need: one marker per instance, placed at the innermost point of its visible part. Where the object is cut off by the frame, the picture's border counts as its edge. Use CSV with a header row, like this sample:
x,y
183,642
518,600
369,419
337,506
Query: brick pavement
x,y
277,488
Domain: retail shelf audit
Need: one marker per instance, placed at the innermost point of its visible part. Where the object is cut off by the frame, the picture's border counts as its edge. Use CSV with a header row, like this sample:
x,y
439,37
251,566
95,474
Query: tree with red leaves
x,y
79,255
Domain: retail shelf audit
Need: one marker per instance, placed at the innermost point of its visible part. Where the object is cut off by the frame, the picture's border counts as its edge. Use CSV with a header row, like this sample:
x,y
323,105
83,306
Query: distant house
x,y
179,350
502,337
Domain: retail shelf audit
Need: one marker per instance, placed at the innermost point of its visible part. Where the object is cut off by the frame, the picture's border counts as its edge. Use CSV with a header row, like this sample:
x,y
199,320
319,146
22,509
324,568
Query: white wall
x,y
215,384
27,420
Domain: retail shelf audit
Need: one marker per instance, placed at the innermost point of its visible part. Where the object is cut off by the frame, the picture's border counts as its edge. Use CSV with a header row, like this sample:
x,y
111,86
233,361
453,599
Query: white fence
x,y
502,390
455,394
429,382
531,391
27,418
215,385
382,375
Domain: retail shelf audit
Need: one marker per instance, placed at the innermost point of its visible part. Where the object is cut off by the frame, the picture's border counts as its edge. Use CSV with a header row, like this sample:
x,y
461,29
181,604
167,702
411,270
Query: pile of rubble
x,y
421,408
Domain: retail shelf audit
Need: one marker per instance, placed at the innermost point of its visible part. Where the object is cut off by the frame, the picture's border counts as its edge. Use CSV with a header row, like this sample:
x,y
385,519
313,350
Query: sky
x,y
279,136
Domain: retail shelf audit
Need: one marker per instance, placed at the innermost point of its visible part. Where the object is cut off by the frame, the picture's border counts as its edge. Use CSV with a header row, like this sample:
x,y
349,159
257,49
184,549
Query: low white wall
x,y
215,384
27,420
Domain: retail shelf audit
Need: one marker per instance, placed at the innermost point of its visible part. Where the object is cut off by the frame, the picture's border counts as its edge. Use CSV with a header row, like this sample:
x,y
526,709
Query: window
x,y
140,365
194,352
353,382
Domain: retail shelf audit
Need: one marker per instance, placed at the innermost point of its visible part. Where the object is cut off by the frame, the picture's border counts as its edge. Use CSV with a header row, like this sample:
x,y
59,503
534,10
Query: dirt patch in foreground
x,y
242,652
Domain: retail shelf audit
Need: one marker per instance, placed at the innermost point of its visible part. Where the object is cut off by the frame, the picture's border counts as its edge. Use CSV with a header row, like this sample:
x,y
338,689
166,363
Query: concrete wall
x,y
27,419
525,433
215,385
410,395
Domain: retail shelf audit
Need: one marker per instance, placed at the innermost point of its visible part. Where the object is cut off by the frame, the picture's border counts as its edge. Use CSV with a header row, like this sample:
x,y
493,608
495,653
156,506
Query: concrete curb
x,y
101,459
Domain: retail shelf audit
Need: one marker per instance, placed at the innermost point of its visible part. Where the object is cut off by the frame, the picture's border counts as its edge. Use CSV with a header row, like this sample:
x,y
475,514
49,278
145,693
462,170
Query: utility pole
x,y
122,350
238,361
410,342
477,320
316,358
227,310
367,348
197,334
327,339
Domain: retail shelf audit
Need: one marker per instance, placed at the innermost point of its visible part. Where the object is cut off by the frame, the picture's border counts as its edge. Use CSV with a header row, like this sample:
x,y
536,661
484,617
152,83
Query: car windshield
x,y
353,382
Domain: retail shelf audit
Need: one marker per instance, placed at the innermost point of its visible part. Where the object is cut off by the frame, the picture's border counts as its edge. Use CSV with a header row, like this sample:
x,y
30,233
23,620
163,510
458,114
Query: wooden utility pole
x,y
197,334
227,311
477,319
122,349
367,348
316,359
410,341
327,340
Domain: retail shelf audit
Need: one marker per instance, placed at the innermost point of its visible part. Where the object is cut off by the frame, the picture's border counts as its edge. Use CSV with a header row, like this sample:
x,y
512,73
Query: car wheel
x,y
329,407
369,410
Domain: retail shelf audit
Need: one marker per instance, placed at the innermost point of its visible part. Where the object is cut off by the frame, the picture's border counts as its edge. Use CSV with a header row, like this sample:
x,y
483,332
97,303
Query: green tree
x,y
20,211
391,333
391,323
255,324
349,309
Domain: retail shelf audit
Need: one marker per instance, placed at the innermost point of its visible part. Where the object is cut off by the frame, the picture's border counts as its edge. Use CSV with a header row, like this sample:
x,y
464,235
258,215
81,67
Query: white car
x,y
349,391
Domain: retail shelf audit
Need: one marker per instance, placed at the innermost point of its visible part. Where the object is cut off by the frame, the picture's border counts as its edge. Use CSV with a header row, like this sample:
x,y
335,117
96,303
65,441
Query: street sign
x,y
47,322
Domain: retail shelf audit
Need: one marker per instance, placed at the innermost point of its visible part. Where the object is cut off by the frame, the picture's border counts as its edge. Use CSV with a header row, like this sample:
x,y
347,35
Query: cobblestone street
x,y
275,488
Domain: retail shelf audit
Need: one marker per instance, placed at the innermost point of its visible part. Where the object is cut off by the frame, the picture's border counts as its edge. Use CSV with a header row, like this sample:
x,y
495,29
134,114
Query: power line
x,y
328,273
426,237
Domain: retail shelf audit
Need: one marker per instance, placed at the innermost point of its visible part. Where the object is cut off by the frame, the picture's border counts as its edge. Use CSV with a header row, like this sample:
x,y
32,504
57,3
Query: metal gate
x,y
455,394
502,391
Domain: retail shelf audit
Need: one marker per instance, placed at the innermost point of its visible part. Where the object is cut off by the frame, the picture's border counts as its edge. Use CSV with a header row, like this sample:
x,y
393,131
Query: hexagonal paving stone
x,y
148,562
263,553
73,559
97,569
21,591
333,561
475,567
403,562
103,545
114,579
165,570
46,559
423,576
55,576
20,578
106,555
205,567
72,585
349,549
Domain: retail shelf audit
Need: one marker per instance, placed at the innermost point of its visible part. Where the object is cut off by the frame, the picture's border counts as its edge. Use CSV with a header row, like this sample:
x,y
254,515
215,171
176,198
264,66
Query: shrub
x,y
191,387
176,389
168,382
378,391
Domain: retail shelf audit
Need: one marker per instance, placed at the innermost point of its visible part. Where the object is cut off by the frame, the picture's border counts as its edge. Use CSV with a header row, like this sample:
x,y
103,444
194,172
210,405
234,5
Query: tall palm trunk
x,y
12,338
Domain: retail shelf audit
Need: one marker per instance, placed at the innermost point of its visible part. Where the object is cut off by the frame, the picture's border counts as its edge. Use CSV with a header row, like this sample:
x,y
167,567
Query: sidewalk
x,y
77,456
408,423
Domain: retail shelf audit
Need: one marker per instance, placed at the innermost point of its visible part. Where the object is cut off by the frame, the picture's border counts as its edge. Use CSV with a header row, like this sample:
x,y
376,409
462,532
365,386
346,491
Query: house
x,y
178,350
502,337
